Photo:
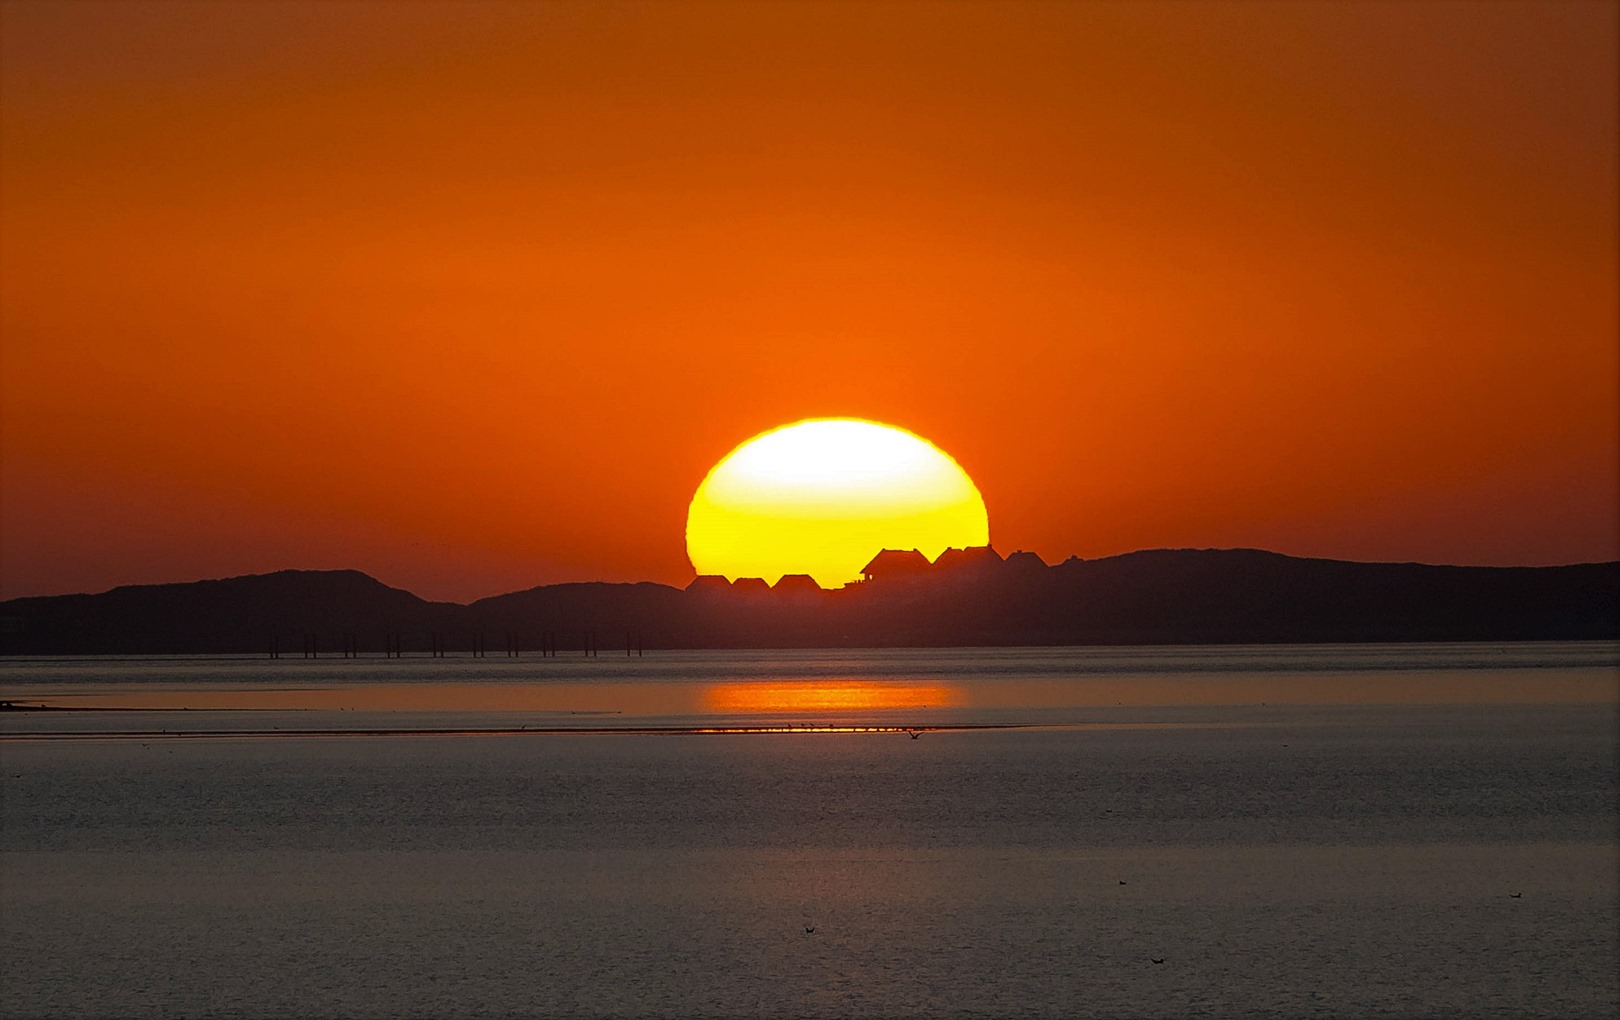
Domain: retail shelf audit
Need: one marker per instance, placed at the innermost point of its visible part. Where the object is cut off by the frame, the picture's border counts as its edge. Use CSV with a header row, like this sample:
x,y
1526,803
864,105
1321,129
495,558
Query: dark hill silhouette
x,y
237,614
569,612
1182,596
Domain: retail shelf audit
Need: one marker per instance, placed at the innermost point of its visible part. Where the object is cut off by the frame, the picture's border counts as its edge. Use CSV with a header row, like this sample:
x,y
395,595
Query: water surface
x,y
1361,831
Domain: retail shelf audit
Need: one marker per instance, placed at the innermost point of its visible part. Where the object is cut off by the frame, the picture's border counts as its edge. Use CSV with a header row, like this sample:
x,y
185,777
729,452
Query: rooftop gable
x,y
973,555
796,582
896,561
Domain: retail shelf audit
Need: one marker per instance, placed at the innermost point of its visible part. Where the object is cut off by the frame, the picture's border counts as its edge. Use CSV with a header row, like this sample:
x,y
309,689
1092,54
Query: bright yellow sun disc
x,y
823,496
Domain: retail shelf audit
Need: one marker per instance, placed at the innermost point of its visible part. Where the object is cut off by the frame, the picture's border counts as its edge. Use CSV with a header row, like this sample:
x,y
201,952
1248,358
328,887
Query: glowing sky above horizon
x,y
472,296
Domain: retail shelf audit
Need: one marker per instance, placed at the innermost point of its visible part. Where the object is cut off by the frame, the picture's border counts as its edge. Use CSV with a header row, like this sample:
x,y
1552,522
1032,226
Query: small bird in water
x,y
1122,881
914,734
809,929
1515,896
1157,959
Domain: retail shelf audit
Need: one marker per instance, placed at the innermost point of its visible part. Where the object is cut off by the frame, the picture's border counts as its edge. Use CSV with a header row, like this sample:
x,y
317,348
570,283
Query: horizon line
x,y
1073,558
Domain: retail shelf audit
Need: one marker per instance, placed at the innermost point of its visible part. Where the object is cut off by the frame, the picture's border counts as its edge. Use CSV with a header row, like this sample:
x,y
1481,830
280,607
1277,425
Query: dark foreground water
x,y
1320,832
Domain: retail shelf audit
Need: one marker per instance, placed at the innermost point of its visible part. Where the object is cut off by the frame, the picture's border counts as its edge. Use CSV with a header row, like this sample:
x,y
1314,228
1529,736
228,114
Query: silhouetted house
x,y
1024,562
797,588
892,565
751,587
709,584
975,559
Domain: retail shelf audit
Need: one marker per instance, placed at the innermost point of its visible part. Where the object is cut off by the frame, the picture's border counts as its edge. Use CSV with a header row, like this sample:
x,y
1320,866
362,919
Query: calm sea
x,y
1188,832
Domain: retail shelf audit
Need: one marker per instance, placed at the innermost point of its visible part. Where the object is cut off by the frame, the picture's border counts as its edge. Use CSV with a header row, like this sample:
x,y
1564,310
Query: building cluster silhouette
x,y
889,570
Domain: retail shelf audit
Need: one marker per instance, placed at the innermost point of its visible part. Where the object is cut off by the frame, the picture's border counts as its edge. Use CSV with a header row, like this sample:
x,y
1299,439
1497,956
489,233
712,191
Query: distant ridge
x,y
234,614
1162,596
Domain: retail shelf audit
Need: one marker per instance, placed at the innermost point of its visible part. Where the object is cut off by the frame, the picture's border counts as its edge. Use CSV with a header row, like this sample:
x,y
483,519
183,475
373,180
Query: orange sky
x,y
471,296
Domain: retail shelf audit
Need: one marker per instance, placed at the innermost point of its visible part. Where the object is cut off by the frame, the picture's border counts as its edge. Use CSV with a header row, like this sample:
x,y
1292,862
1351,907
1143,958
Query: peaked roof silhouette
x,y
973,555
896,562
796,583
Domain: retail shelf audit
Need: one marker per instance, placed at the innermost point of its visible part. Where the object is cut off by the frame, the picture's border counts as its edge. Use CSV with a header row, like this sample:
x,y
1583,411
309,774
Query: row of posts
x,y
438,645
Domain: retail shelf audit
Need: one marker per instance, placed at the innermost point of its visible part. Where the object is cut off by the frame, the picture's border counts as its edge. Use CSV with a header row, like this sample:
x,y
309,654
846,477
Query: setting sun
x,y
822,496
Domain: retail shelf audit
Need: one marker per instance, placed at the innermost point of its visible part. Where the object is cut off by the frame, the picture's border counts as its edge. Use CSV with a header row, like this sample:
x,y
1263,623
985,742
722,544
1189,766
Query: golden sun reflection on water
x,y
925,701
827,696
